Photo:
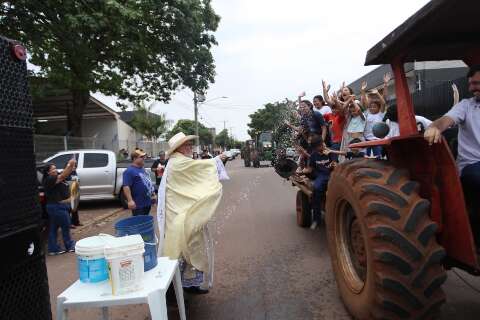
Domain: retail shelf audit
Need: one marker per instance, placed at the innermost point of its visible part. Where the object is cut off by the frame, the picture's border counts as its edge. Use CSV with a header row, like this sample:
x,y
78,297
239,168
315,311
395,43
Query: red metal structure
x,y
393,226
442,30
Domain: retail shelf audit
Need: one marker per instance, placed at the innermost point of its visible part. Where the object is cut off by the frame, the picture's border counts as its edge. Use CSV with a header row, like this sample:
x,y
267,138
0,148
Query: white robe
x,y
184,220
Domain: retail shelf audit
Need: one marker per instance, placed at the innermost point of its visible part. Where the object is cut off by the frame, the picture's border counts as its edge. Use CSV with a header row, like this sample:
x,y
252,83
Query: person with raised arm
x,y
466,115
188,196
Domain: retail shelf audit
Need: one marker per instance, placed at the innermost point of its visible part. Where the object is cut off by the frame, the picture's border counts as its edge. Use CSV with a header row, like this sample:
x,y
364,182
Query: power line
x,y
204,117
231,106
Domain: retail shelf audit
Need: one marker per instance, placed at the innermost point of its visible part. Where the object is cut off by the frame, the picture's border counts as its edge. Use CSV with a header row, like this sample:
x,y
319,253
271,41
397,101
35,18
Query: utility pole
x,y
195,106
225,141
231,137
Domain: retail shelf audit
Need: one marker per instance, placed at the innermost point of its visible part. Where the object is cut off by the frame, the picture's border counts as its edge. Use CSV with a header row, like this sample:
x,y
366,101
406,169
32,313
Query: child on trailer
x,y
320,165
374,114
375,103
354,153
356,125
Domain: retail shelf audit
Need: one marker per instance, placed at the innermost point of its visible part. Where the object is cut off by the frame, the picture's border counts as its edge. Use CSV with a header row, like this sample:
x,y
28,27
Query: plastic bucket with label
x,y
125,263
144,226
91,262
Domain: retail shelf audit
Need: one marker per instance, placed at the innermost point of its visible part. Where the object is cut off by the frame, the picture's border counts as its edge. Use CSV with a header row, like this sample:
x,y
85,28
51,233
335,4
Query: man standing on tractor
x,y
465,114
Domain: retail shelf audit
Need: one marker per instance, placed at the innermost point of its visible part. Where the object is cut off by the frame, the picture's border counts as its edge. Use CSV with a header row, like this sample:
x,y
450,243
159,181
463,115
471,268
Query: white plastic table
x,y
99,295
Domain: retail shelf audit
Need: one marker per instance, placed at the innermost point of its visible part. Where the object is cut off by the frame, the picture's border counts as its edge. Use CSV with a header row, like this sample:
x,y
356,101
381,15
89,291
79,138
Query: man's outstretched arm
x,y
433,134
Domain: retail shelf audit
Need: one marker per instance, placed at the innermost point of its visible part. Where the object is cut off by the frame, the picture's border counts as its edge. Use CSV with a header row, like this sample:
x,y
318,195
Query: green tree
x,y
134,49
271,117
222,138
188,127
148,123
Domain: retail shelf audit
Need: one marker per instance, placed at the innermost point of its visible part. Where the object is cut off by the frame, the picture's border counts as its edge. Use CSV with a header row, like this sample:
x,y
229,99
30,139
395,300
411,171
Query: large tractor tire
x,y
385,257
304,210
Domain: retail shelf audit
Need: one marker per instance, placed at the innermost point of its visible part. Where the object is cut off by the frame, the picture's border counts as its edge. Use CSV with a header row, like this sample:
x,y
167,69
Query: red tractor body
x,y
394,225
442,30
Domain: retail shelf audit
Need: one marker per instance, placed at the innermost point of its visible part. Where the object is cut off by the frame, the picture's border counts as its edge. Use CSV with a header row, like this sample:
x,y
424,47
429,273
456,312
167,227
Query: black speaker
x,y
15,101
24,290
19,206
23,277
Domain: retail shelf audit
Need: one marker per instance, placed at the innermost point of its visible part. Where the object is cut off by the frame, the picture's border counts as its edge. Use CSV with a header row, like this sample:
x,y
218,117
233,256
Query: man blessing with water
x,y
188,196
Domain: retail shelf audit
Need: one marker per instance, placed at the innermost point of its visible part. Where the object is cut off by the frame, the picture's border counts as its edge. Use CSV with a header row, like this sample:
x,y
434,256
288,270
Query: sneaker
x,y
56,253
71,250
314,225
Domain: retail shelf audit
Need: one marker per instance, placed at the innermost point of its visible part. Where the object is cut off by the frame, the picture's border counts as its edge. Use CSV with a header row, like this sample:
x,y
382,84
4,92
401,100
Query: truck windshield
x,y
265,137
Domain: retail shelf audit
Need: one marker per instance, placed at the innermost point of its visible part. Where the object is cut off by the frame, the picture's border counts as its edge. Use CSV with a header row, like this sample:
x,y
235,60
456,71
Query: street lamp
x,y
200,98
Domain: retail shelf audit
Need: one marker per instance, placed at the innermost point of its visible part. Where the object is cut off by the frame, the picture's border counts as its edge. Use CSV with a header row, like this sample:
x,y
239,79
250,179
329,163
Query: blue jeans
x,y
141,211
376,150
335,146
59,217
319,189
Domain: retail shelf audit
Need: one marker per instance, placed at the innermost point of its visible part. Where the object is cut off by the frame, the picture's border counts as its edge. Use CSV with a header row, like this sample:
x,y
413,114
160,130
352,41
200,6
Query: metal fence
x,y
46,145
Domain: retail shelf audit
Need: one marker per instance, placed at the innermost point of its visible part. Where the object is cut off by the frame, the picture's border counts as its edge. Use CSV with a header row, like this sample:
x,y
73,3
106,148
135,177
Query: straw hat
x,y
177,140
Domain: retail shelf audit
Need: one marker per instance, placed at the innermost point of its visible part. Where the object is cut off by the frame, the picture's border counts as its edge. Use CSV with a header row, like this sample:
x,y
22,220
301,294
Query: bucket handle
x,y
149,243
153,243
105,237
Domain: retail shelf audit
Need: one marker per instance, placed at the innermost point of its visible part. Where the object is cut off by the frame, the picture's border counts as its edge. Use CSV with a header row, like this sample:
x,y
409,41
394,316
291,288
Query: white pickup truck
x,y
99,173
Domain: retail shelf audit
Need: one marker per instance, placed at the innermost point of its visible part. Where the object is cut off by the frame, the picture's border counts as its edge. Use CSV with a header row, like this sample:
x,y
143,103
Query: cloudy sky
x,y
273,49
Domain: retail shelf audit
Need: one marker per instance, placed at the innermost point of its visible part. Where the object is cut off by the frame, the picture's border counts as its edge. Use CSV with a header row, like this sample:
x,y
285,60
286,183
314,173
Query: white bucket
x,y
125,263
91,263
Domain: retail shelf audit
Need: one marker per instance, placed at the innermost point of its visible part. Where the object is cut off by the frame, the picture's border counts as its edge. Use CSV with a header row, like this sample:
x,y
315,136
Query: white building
x,y
102,127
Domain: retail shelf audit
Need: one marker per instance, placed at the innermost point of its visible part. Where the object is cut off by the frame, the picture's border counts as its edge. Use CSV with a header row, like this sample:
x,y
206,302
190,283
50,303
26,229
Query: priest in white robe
x,y
188,197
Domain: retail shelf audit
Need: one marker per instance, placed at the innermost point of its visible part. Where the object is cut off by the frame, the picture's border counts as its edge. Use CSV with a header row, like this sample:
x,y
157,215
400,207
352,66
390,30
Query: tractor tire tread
x,y
406,255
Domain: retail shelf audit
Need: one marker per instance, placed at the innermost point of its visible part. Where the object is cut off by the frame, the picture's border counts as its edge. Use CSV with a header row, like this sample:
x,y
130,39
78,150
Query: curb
x,y
96,220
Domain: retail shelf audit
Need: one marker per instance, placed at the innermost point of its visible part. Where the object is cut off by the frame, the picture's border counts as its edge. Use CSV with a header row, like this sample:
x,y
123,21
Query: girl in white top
x,y
374,114
321,106
356,124
375,103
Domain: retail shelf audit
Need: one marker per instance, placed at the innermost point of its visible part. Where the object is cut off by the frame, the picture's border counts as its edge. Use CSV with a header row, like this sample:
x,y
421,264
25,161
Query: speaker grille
x,y
15,101
23,277
19,204
24,293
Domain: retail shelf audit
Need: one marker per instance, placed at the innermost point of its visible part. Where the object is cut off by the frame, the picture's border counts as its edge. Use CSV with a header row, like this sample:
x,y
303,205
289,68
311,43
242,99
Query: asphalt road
x,y
265,266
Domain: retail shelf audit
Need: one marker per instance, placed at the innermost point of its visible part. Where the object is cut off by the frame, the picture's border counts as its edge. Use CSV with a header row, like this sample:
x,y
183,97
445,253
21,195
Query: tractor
x,y
265,147
259,150
395,226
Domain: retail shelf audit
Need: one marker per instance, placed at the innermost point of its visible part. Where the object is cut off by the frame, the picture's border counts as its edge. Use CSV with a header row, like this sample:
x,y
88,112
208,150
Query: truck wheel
x,y
304,210
385,257
123,200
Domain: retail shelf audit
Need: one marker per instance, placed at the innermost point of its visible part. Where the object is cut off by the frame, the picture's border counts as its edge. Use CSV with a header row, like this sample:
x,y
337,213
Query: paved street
x,y
265,266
